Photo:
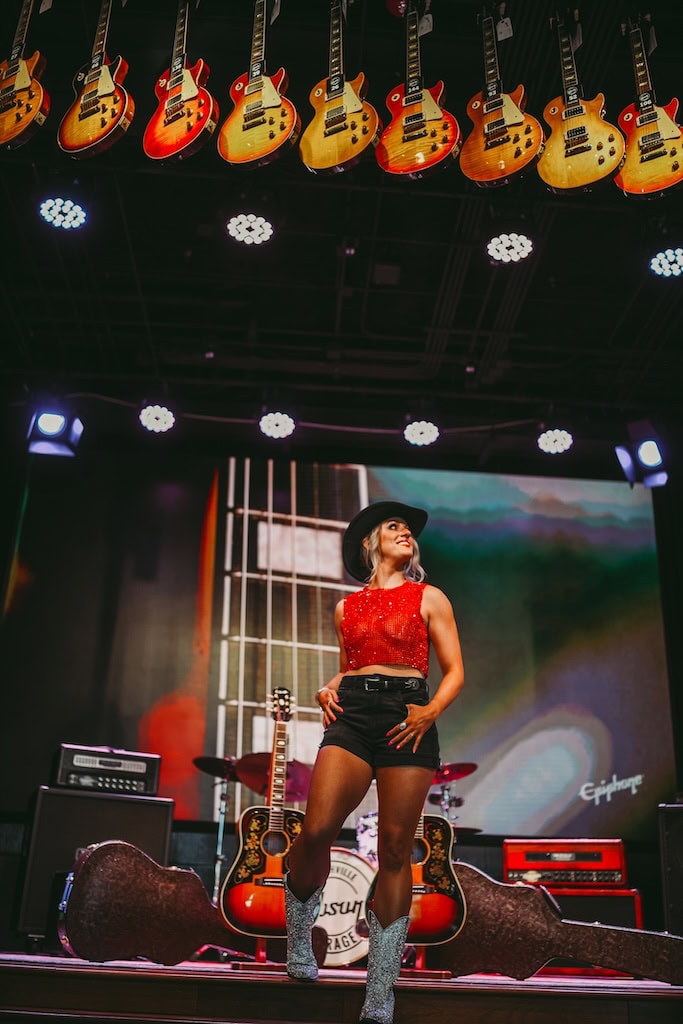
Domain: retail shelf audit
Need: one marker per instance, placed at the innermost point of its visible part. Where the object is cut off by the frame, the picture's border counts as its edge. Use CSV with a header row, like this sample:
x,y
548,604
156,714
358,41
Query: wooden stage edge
x,y
65,989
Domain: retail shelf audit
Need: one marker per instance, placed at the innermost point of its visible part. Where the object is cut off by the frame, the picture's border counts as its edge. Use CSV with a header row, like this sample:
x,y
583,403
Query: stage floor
x,y
65,989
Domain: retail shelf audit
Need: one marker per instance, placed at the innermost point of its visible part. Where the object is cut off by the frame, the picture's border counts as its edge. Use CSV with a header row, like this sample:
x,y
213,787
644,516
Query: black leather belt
x,y
374,683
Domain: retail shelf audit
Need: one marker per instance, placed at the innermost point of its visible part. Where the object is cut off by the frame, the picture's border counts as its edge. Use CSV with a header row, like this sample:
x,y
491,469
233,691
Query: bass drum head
x,y
342,907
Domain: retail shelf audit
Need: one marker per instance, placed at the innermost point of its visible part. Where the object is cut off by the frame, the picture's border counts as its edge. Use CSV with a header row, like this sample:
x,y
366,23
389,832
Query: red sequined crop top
x,y
385,627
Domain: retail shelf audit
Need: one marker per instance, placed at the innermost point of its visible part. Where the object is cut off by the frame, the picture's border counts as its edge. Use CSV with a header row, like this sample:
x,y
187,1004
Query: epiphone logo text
x,y
592,793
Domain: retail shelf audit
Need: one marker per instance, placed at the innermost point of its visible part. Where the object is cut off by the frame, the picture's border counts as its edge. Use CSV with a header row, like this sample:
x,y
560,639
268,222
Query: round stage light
x,y
554,442
276,424
51,423
156,418
668,263
249,228
421,432
509,247
649,454
62,213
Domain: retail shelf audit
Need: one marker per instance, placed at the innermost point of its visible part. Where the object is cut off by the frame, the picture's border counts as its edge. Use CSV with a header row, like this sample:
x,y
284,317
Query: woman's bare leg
x,y
340,781
401,793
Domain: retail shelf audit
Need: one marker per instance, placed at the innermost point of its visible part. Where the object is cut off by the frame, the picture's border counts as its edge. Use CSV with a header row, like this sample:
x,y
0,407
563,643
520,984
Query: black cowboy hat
x,y
365,521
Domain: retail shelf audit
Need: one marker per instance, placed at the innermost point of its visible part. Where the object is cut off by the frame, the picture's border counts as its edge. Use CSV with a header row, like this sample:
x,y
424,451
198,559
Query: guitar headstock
x,y
280,704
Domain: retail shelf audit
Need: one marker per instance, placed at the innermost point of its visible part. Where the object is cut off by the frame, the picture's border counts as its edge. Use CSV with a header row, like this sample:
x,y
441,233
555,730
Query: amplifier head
x,y
107,770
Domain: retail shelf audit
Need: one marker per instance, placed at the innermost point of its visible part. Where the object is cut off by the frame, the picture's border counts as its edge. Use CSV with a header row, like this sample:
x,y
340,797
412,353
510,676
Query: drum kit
x,y
342,911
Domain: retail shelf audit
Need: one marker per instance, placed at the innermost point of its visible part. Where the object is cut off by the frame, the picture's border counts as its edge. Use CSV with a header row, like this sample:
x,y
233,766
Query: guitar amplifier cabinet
x,y
565,862
107,770
65,821
671,856
620,907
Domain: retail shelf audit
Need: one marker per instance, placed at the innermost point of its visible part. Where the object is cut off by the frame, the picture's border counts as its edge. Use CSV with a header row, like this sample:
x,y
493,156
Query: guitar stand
x,y
420,970
260,961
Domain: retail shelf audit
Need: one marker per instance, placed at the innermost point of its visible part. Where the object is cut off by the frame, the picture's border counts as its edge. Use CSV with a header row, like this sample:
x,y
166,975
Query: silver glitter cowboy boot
x,y
384,964
301,962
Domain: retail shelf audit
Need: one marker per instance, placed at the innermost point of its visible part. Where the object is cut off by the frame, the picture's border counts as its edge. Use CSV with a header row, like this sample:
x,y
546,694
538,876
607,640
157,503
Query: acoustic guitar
x,y
420,136
187,114
252,897
517,929
654,148
344,125
263,124
504,140
119,904
438,907
103,111
24,103
583,148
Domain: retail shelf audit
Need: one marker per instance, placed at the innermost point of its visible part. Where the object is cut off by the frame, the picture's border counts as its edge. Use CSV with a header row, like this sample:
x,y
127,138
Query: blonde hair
x,y
372,556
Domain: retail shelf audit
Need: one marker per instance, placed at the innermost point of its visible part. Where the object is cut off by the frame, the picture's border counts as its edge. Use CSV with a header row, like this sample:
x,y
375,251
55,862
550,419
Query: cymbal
x,y
253,770
220,767
447,772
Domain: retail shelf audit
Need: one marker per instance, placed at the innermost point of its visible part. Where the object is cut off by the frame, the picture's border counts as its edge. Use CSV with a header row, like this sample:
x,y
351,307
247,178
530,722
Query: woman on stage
x,y
379,722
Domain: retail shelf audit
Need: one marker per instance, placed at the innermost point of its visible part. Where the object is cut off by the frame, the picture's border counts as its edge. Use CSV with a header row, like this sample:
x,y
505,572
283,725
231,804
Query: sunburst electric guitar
x,y
420,136
582,148
252,897
504,140
187,114
263,124
344,125
654,147
102,111
24,103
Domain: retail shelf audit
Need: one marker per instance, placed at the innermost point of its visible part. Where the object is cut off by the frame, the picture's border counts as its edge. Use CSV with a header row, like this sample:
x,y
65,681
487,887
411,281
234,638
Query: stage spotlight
x,y
642,459
249,228
156,418
668,263
54,431
555,441
62,213
276,424
421,432
509,247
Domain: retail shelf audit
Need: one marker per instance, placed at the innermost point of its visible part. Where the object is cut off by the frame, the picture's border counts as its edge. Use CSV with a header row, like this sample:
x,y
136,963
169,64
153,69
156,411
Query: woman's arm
x,y
327,694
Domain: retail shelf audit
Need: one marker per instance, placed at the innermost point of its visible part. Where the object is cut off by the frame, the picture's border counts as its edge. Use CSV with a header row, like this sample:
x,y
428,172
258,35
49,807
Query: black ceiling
x,y
152,298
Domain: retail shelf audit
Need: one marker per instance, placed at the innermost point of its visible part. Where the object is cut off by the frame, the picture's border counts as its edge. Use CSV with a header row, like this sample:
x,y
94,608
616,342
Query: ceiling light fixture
x,y
276,424
421,432
62,213
509,247
668,263
249,228
555,441
156,418
642,460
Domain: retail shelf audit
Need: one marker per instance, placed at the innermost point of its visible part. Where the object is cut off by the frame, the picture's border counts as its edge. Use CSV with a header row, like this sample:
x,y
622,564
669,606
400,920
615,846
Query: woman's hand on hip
x,y
329,705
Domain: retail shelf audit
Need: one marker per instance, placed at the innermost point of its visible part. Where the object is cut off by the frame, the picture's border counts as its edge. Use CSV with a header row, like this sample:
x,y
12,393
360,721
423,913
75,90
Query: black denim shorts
x,y
369,714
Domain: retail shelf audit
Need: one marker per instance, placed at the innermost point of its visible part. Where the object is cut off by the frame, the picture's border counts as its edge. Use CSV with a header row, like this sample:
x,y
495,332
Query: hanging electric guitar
x,y
582,149
263,124
504,140
654,148
420,136
24,103
344,125
187,113
102,111
252,897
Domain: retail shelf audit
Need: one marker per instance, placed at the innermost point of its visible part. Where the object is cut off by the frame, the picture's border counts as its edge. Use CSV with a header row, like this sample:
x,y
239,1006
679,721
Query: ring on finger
x,y
403,725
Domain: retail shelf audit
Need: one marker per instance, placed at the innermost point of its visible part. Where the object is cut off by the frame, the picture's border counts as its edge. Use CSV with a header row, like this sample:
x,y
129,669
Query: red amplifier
x,y
565,862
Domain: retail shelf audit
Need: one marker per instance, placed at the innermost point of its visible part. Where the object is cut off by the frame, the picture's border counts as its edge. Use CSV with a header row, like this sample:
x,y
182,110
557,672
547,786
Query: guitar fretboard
x,y
278,777
491,69
100,43
644,91
570,80
258,46
413,85
20,35
335,85
178,59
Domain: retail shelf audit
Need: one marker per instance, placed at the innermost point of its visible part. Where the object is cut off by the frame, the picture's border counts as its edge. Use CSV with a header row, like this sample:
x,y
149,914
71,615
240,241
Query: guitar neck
x,y
335,84
278,778
99,46
645,98
257,64
413,84
20,34
179,45
570,80
492,82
